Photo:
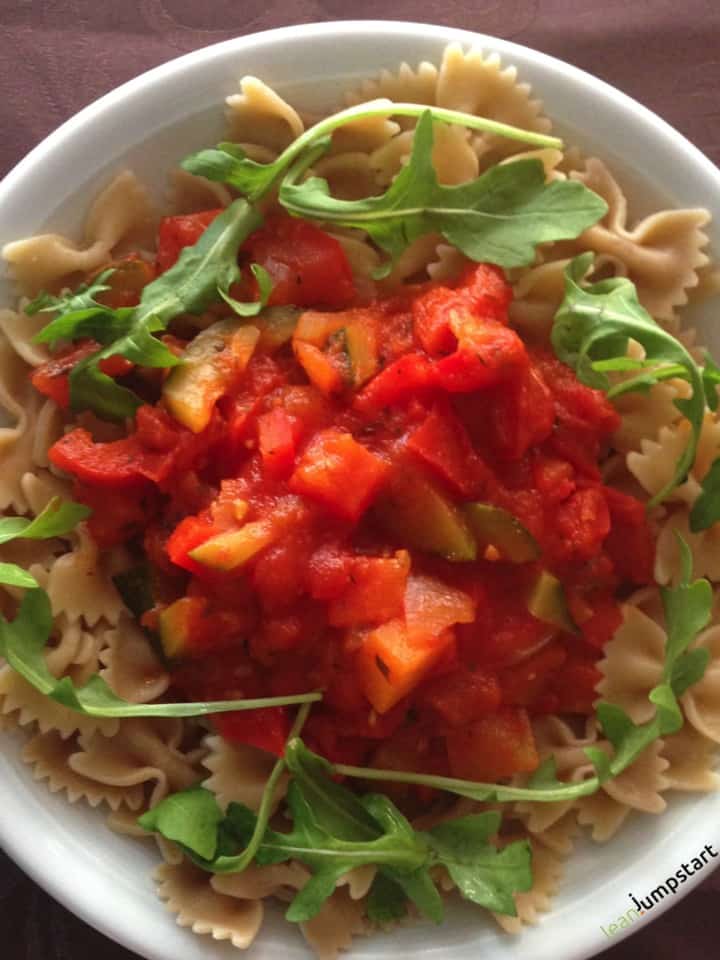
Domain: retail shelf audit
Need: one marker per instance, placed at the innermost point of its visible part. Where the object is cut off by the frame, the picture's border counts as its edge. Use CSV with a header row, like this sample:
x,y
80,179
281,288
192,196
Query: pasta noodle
x,y
129,765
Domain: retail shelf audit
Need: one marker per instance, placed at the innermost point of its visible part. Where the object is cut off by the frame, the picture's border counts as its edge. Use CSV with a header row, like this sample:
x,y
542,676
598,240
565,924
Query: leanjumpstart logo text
x,y
667,888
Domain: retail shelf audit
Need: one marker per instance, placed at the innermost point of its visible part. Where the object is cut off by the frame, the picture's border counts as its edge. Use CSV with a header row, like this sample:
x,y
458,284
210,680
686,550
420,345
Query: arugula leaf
x,y
341,811
591,332
58,518
189,286
330,857
191,824
687,611
386,901
229,164
689,668
334,830
12,575
482,873
499,217
252,309
23,640
80,315
191,817
711,381
706,509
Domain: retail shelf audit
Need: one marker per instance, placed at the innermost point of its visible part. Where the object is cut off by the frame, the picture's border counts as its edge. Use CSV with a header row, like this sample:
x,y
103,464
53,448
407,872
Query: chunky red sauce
x,y
316,532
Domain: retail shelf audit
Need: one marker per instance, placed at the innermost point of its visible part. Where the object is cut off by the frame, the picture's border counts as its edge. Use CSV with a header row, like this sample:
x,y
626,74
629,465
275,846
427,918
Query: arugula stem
x,y
203,708
665,373
244,859
386,108
471,789
403,860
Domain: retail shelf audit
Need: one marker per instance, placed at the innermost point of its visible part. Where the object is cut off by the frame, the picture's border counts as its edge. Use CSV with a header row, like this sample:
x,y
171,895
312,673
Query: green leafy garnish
x,y
499,218
252,309
79,314
591,332
196,822
57,519
23,641
189,286
191,816
229,164
386,900
706,509
204,272
334,830
711,381
687,611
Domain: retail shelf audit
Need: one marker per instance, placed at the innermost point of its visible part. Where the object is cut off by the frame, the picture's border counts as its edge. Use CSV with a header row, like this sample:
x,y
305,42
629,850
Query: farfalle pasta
x,y
359,466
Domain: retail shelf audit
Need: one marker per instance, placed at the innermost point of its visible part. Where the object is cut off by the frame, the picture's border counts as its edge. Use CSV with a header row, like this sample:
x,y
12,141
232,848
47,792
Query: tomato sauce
x,y
317,532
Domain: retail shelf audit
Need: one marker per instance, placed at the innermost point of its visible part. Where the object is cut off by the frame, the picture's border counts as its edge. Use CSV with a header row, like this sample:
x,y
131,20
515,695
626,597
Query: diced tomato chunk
x,y
432,316
461,697
307,266
583,522
554,478
484,284
340,473
523,683
117,518
630,543
277,433
176,233
329,571
494,746
488,353
523,415
267,728
574,685
606,617
407,377
375,592
442,442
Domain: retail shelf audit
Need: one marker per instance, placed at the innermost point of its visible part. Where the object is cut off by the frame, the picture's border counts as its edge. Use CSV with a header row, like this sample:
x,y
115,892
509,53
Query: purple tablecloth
x,y
59,55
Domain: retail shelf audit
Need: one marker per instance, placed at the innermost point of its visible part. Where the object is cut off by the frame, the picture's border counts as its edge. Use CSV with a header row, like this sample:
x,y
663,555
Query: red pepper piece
x,y
52,378
121,463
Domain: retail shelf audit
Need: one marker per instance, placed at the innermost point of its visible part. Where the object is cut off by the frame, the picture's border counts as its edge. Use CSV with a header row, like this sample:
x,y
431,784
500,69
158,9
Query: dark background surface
x,y
56,56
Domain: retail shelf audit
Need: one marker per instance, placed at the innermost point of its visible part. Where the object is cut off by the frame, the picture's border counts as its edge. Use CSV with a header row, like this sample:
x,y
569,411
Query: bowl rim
x,y
29,858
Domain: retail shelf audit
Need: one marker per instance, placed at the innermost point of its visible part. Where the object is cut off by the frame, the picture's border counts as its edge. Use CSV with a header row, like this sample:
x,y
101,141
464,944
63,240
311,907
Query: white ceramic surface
x,y
149,124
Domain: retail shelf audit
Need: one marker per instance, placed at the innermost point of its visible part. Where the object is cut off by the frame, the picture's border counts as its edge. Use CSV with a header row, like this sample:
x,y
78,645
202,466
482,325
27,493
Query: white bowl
x,y
151,123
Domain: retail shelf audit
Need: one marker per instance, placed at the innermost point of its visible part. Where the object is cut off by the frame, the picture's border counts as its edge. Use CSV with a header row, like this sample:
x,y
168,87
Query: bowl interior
x,y
150,124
